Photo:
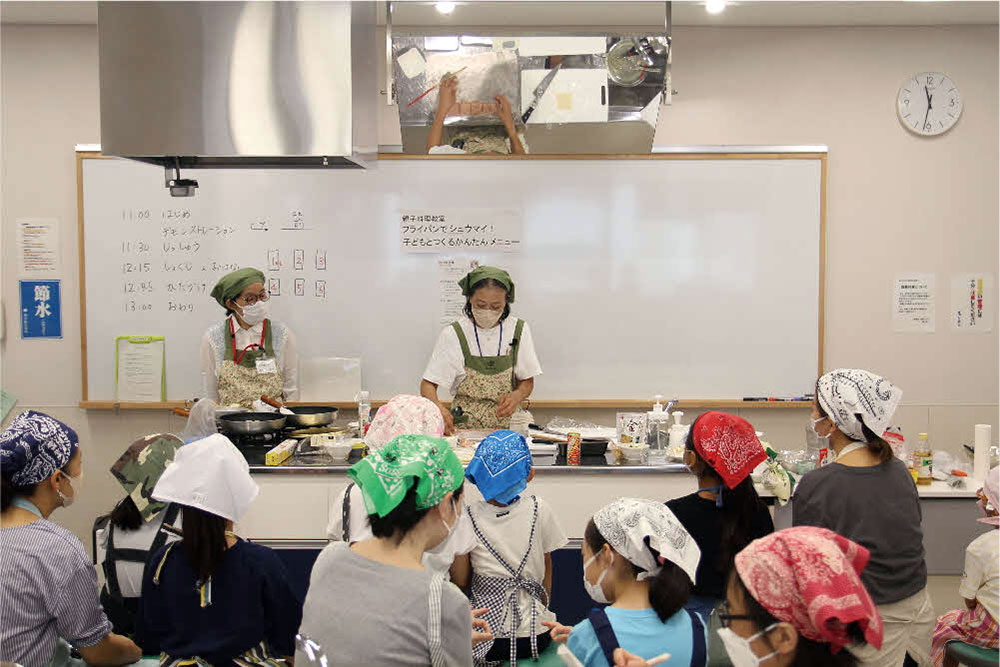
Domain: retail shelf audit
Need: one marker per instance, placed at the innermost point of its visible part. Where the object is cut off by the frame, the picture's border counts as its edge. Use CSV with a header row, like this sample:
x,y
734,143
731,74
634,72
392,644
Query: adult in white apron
x,y
486,359
247,354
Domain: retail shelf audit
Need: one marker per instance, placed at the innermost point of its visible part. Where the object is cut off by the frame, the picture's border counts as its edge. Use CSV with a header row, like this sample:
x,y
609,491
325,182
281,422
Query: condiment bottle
x,y
923,460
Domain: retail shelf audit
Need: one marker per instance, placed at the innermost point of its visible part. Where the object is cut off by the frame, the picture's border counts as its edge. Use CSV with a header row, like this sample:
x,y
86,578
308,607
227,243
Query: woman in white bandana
x,y
868,496
638,558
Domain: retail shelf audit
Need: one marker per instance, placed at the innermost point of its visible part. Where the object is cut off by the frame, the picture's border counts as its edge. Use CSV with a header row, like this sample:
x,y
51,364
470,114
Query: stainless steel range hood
x,y
239,84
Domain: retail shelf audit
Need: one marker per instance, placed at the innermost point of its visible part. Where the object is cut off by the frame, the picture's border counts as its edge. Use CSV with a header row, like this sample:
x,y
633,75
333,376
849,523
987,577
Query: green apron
x,y
240,383
487,380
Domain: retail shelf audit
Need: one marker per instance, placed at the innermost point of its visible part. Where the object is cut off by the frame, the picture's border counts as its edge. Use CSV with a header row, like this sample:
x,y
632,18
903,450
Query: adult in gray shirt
x,y
868,496
48,586
373,603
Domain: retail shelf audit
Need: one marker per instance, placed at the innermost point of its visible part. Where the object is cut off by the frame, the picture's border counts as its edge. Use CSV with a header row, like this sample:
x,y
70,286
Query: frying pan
x,y
305,416
252,423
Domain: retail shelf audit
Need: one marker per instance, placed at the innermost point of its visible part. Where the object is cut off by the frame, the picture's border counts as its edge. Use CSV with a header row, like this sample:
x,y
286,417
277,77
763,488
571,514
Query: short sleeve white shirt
x,y
508,530
981,578
446,367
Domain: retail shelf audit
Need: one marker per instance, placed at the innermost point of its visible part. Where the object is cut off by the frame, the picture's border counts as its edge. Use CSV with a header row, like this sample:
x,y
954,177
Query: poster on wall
x,y
972,302
38,247
913,303
452,301
41,309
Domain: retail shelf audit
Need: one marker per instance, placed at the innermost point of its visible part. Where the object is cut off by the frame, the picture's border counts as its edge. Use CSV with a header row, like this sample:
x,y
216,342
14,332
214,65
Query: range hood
x,y
239,84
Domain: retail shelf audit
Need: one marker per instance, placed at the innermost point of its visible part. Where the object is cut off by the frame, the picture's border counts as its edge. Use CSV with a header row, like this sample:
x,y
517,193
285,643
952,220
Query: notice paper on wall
x,y
913,303
450,271
455,230
38,247
972,302
140,365
41,309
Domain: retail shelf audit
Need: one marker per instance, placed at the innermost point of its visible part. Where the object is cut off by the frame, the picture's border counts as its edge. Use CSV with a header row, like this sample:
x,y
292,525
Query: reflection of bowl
x,y
622,69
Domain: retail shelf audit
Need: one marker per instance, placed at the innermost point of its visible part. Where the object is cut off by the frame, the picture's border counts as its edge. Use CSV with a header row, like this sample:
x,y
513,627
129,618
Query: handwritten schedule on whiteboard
x,y
450,230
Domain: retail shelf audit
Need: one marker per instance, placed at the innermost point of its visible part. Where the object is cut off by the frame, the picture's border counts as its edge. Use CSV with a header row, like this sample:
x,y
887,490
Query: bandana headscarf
x,y
34,446
990,490
232,284
140,467
484,273
810,577
404,415
728,444
211,475
409,460
852,397
501,466
631,526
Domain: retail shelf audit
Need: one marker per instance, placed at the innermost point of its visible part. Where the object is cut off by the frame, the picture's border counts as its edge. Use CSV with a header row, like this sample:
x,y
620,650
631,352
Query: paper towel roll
x,y
981,458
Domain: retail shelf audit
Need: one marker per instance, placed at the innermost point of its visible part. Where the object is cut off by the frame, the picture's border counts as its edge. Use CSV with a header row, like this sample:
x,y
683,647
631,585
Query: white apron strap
x,y
434,621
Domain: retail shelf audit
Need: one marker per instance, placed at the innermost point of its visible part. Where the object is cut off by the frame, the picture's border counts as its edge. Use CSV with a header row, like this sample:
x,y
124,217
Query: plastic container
x,y
543,454
923,460
658,424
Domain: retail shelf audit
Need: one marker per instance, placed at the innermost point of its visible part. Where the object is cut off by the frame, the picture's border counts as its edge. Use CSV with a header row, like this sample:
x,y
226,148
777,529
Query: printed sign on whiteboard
x,y
450,271
455,230
972,302
913,303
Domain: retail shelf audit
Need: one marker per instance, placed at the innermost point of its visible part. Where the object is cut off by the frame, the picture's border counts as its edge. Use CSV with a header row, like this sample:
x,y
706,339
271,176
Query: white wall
x,y
896,203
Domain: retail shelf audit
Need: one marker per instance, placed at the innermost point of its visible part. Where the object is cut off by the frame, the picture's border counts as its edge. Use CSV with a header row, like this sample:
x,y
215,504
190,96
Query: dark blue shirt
x,y
252,601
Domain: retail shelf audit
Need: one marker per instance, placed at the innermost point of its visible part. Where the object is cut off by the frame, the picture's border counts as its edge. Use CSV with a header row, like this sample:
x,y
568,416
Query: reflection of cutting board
x,y
575,96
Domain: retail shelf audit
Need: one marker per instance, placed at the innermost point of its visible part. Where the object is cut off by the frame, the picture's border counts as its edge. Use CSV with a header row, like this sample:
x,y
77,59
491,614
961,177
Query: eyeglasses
x,y
251,299
726,617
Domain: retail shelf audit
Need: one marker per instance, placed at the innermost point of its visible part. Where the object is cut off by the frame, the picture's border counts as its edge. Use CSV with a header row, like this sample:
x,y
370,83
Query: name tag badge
x,y
267,365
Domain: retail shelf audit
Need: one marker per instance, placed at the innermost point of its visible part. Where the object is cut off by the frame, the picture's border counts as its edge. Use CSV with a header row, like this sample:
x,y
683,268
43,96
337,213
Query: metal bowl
x,y
621,70
252,423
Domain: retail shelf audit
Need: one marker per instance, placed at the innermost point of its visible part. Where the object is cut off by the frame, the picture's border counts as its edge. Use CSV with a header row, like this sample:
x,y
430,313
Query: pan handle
x,y
270,401
181,412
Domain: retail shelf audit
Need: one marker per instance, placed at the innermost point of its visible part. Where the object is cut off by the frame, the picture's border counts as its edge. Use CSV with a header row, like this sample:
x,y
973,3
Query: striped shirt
x,y
48,589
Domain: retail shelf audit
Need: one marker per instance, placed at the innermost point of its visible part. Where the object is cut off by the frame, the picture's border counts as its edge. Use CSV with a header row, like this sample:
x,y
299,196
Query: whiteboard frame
x,y
92,152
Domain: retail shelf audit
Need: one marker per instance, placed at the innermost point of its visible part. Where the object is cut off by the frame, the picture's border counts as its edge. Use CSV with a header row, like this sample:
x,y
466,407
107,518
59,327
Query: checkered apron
x,y
500,596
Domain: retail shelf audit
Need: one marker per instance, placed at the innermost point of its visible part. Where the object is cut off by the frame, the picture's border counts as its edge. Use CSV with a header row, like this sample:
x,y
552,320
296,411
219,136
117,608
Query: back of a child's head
x,y
501,467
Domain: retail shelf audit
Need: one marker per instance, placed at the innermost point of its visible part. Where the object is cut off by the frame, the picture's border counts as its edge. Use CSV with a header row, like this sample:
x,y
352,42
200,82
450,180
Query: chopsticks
x,y
450,76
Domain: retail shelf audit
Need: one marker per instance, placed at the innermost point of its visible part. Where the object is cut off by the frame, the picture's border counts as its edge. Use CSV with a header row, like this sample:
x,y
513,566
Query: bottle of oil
x,y
923,460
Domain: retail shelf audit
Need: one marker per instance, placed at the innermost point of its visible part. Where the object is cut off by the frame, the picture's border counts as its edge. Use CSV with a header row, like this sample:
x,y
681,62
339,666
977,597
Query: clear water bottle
x,y
364,412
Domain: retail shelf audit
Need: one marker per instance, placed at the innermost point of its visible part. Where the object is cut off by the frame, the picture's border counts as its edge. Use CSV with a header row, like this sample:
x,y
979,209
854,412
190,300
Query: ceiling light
x,y
711,6
445,7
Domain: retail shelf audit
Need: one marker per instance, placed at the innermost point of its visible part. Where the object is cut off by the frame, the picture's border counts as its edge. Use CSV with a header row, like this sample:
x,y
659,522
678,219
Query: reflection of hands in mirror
x,y
447,95
504,110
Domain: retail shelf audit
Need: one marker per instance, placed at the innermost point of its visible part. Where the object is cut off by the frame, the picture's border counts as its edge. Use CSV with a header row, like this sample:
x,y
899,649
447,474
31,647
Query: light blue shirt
x,y
639,631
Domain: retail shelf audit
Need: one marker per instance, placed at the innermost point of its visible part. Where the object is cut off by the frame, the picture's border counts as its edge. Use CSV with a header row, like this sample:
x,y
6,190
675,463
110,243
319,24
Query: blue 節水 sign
x,y
41,309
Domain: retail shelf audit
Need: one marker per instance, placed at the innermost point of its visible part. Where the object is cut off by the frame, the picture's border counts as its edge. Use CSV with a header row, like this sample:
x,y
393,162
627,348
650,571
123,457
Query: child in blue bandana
x,y
509,570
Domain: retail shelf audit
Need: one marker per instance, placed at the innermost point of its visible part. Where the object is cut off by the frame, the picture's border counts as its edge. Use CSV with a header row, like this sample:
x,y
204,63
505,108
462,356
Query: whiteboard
x,y
697,278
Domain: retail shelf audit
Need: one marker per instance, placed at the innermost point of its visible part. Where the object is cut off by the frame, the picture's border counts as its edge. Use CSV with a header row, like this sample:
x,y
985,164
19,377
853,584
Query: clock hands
x,y
927,92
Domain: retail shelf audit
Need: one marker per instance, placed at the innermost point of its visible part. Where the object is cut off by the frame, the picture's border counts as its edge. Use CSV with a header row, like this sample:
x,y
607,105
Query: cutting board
x,y
560,46
575,96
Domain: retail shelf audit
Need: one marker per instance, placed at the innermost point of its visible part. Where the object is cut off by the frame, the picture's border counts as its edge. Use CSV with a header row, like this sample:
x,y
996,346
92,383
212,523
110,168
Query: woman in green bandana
x,y
486,359
372,603
247,354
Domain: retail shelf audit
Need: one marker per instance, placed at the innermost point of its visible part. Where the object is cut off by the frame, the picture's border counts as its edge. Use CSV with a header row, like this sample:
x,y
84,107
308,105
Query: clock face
x,y
929,103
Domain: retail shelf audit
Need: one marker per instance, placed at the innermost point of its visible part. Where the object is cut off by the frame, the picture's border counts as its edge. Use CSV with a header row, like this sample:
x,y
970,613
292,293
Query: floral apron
x,y
487,380
240,382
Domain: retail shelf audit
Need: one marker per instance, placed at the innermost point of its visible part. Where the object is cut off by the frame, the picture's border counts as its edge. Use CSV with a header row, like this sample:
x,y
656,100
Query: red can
x,y
573,443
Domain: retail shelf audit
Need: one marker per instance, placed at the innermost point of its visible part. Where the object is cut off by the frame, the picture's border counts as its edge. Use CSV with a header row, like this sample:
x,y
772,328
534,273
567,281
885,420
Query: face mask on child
x,y
595,591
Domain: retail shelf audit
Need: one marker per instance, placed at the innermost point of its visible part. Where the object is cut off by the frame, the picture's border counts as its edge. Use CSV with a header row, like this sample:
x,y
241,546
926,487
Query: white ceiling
x,y
588,12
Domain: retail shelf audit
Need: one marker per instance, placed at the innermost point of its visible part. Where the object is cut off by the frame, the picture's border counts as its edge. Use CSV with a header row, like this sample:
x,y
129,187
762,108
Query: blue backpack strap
x,y
605,634
699,657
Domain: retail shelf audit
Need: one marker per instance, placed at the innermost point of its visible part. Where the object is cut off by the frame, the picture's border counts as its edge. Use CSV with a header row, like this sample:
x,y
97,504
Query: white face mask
x,y
68,500
823,439
257,313
485,318
595,591
450,528
738,648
